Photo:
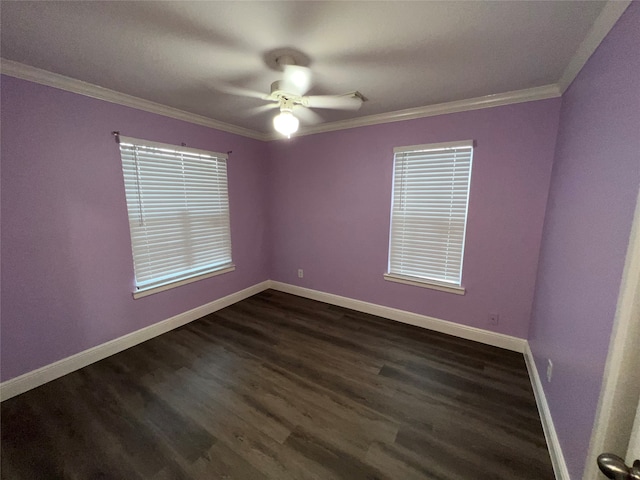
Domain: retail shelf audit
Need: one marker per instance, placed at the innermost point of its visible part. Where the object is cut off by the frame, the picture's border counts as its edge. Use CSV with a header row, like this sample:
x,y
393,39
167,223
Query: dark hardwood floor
x,y
281,387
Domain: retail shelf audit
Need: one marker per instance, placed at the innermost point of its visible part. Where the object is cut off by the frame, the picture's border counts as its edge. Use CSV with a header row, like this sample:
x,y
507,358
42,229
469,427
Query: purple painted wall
x,y
320,203
67,271
331,195
592,197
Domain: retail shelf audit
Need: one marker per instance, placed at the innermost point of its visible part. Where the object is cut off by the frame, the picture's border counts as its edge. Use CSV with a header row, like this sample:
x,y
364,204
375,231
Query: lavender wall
x,y
592,197
67,271
321,202
331,195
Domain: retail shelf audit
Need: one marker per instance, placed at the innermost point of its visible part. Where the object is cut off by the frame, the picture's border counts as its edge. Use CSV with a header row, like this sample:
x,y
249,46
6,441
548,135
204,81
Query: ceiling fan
x,y
289,94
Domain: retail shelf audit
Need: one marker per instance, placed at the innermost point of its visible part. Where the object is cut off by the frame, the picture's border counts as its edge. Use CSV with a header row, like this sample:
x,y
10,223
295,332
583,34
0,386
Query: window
x,y
178,213
429,215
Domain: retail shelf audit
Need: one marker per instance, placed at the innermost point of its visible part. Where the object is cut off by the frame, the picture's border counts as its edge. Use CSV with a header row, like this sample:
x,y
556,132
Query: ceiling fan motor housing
x,y
287,100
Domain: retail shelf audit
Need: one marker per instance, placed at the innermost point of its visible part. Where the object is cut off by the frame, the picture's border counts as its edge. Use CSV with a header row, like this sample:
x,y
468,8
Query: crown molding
x,y
43,77
55,80
497,100
608,17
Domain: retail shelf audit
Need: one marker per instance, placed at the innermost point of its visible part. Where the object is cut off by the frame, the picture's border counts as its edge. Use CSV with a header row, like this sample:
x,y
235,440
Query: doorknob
x,y
614,467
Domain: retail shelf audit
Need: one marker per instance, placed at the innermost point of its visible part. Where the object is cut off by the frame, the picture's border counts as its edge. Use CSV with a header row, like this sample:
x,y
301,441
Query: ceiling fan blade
x,y
307,116
339,102
242,92
262,109
296,79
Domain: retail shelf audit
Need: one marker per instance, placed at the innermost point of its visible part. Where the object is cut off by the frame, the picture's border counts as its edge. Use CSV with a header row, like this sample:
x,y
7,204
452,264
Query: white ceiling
x,y
398,54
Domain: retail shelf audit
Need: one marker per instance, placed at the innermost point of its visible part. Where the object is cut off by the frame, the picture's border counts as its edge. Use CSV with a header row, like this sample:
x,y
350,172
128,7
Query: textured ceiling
x,y
398,54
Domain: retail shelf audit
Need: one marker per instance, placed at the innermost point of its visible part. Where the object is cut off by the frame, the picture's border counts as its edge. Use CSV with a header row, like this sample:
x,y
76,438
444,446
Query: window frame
x,y
440,284
176,154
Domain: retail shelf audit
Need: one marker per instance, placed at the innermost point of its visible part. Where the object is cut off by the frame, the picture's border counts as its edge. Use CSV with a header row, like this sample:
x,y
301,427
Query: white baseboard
x,y
463,331
470,333
553,443
35,378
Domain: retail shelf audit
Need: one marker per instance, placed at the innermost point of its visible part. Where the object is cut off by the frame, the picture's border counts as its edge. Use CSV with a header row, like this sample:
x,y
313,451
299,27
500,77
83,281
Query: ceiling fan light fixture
x,y
286,123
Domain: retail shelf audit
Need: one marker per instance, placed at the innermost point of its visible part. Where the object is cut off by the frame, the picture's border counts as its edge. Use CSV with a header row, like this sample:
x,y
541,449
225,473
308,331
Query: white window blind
x,y
429,212
178,209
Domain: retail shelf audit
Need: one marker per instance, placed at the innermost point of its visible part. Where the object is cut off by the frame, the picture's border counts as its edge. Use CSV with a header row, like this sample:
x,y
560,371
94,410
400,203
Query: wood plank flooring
x,y
281,387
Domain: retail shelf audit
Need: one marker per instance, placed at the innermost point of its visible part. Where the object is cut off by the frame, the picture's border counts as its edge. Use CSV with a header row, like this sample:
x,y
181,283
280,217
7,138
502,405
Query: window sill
x,y
169,286
424,284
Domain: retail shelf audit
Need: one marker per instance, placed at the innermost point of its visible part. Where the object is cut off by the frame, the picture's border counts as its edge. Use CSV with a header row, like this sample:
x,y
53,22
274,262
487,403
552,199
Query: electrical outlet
x,y
494,318
300,273
549,369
